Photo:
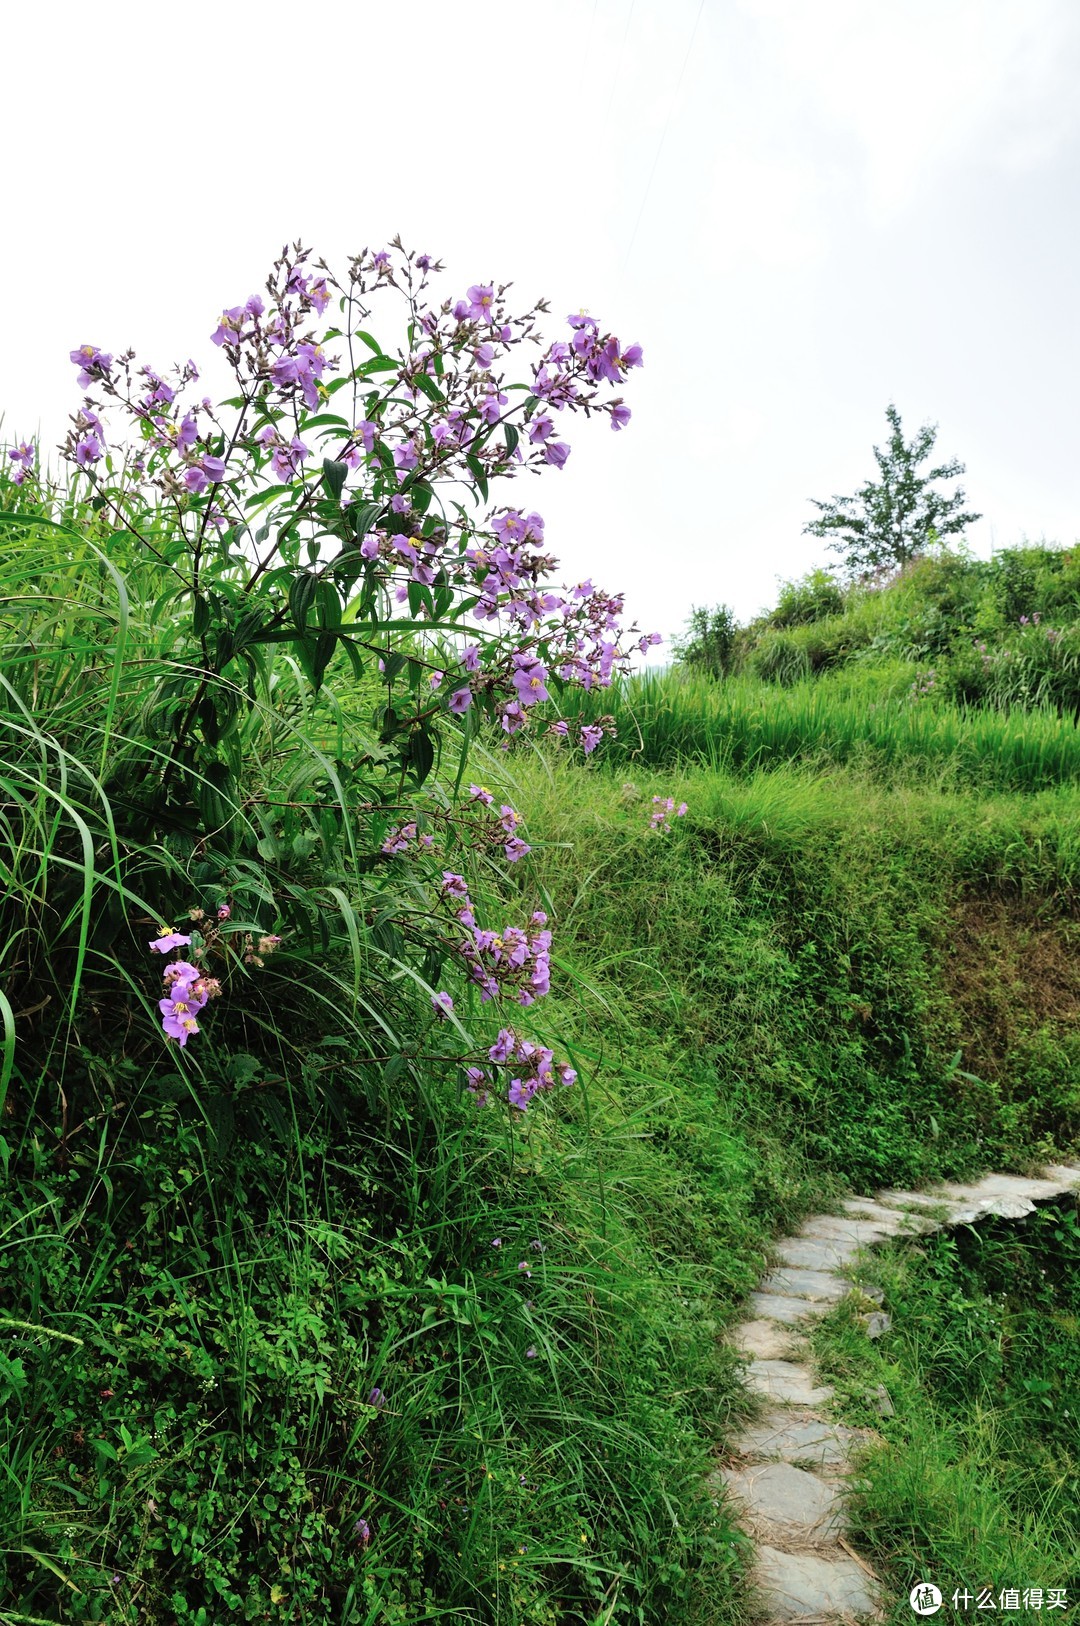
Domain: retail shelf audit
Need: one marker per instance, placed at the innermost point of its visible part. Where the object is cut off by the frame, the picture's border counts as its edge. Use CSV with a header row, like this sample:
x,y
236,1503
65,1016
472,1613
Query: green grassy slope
x,y
256,1307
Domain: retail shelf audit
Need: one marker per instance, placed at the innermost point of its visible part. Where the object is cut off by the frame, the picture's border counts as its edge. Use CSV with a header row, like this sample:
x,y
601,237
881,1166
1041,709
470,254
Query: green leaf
x,y
424,382
372,344
334,477
421,755
511,438
200,617
364,516
476,469
325,644
301,593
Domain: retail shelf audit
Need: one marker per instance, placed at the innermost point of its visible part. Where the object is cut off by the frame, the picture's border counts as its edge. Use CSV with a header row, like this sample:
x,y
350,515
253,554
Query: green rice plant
x,y
667,719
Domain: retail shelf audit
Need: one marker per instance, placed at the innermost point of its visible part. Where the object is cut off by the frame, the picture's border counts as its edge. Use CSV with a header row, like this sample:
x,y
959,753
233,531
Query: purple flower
x,y
496,1241
528,680
230,323
503,1047
620,415
405,457
88,451
481,303
362,1532
23,453
460,701
516,848
319,294
171,940
92,363
542,428
442,1004
591,735
423,262
187,433
519,1095
470,658
203,472
400,503
530,1353
377,1399
178,1019
557,453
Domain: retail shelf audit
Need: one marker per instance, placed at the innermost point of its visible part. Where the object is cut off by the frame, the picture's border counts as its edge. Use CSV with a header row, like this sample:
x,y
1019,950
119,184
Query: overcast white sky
x,y
802,209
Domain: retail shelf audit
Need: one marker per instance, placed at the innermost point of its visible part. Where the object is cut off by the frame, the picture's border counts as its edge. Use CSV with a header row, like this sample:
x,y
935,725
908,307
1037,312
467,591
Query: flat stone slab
x,y
996,1207
768,1340
999,1185
867,1208
779,1307
816,1253
786,1380
787,1437
787,1504
1065,1173
912,1199
805,1284
844,1228
798,1585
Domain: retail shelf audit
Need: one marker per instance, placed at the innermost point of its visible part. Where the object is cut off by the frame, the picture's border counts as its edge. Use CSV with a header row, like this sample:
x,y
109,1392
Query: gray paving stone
x,y
786,1380
912,1199
998,1185
987,1207
867,1208
805,1284
768,1340
798,1585
816,1253
848,1228
787,1504
1063,1174
785,1435
780,1307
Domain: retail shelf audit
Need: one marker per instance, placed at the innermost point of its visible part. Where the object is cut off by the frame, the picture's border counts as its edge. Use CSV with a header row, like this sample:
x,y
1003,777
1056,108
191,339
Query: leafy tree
x,y
890,521
708,641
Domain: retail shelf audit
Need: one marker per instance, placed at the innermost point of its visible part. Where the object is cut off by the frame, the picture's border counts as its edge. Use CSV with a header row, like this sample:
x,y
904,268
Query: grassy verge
x,y
976,1480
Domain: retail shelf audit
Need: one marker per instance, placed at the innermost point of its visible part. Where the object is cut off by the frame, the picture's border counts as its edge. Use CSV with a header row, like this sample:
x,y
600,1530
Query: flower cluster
x,y
514,963
429,412
664,810
501,830
403,838
589,734
531,1068
187,989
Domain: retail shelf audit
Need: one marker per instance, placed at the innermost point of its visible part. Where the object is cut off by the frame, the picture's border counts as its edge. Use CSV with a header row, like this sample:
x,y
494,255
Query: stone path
x,y
786,1469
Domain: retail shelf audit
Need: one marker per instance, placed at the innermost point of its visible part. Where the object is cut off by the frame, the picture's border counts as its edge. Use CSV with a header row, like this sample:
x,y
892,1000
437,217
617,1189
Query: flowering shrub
x,y
337,508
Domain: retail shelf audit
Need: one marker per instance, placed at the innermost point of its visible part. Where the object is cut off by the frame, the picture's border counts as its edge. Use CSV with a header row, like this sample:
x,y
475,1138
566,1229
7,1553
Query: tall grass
x,y
267,1349
741,725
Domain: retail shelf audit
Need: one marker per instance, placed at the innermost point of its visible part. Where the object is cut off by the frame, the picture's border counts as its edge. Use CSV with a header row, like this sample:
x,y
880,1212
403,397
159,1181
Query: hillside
x,y
300,1330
